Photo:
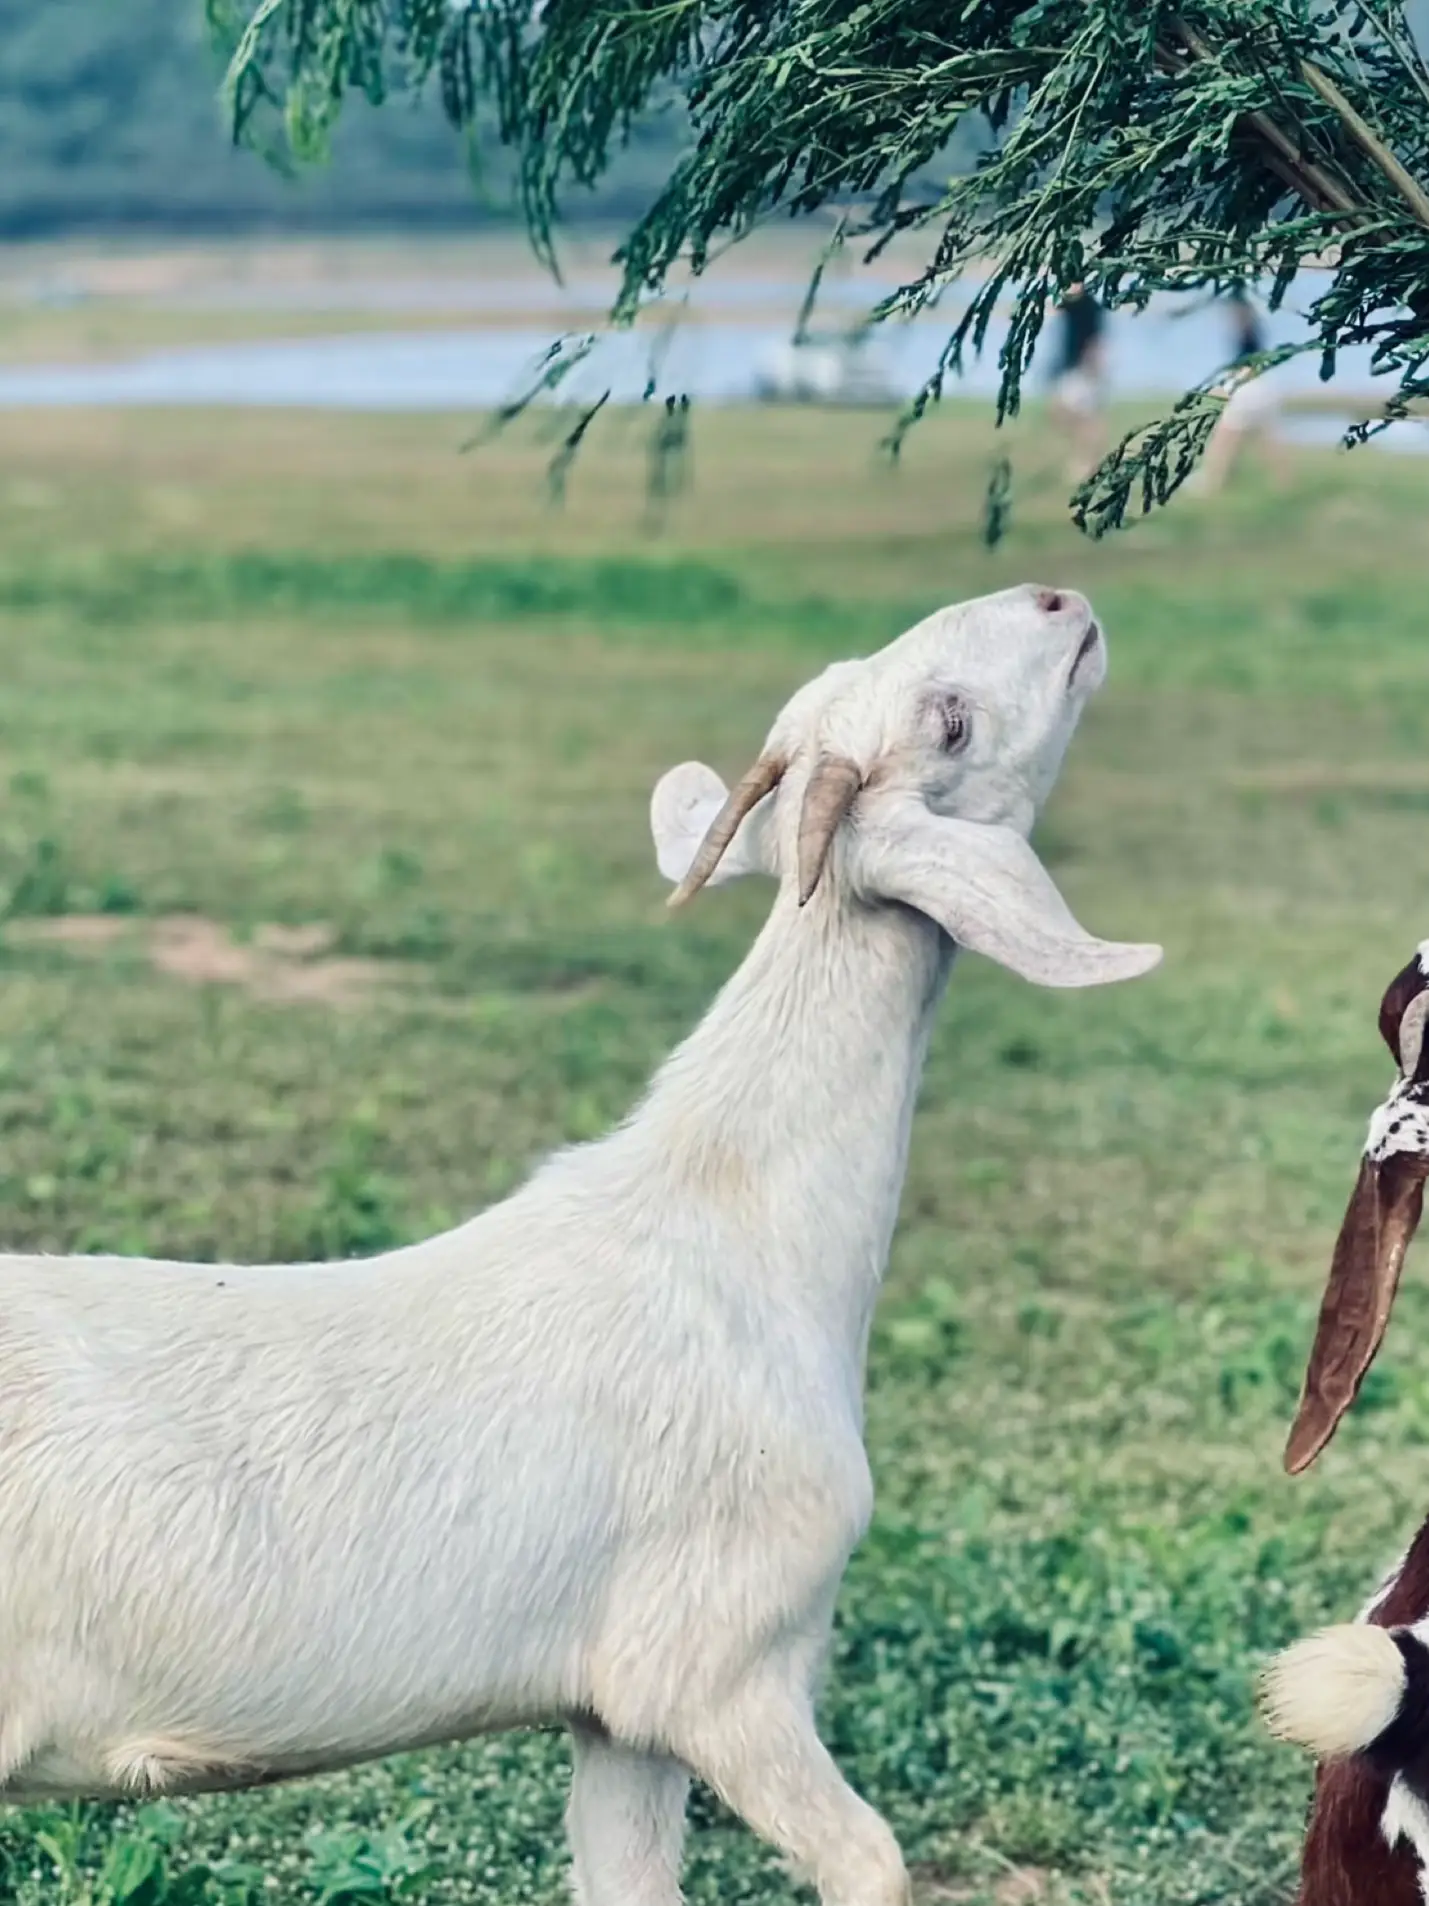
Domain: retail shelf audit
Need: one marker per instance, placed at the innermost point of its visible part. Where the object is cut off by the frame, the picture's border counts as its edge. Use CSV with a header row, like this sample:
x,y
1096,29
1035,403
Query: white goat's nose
x,y
1060,602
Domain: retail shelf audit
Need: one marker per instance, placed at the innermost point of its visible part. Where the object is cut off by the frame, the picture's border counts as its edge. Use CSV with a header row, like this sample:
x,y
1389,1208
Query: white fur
x,y
597,1454
1336,1691
1411,1033
1406,1817
684,803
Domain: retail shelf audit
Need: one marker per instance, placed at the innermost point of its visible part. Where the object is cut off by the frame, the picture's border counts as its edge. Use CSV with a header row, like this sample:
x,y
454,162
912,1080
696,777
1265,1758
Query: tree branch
x,y
1320,189
1368,142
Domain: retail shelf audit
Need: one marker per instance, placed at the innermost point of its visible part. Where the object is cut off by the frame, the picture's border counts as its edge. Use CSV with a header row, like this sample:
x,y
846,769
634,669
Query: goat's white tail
x,y
1338,1692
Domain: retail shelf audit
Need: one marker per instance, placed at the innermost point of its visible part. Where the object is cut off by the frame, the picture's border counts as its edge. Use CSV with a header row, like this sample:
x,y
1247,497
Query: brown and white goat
x,y
1357,1696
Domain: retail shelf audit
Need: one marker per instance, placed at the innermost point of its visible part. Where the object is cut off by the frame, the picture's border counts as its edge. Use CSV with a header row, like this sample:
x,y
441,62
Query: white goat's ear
x,y
684,803
988,891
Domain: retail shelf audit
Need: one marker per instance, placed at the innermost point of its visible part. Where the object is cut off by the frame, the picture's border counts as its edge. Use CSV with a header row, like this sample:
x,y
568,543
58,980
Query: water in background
x,y
713,359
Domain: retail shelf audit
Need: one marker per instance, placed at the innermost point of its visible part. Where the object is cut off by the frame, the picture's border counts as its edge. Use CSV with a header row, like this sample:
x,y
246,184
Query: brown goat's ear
x,y
1383,1216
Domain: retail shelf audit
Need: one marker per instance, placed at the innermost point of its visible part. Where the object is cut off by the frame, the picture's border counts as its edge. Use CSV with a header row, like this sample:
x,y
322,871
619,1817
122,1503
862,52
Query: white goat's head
x,y
913,778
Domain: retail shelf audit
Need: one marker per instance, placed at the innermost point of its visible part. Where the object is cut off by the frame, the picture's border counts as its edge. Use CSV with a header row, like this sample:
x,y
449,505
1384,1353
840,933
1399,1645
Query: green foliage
x,y
1142,147
123,588
349,1866
354,1213
142,1865
38,880
110,118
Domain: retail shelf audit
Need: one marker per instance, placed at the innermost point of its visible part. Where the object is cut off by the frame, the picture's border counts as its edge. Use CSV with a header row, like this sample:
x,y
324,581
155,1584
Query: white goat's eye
x,y
957,723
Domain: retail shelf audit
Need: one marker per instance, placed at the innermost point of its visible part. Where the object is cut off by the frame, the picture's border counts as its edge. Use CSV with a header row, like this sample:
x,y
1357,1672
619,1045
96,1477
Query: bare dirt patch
x,y
79,930
288,965
1022,1886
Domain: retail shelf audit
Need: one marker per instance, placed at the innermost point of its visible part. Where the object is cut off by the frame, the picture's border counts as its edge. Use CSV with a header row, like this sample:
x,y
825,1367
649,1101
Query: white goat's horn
x,y
747,793
828,797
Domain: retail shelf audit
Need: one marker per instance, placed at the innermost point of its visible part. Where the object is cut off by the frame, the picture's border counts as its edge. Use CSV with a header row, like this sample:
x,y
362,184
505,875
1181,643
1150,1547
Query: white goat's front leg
x,y
625,1822
762,1754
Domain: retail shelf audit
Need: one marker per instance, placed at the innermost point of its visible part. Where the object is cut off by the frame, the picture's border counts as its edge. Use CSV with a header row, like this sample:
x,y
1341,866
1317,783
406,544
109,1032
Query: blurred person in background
x,y
1078,383
1252,403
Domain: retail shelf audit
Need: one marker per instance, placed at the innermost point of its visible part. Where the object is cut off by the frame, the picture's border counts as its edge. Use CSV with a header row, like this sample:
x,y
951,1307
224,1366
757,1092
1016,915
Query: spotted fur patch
x,y
1401,1124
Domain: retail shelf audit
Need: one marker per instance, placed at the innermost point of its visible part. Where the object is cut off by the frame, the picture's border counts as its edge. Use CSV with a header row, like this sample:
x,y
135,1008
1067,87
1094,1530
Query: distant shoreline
x,y
396,268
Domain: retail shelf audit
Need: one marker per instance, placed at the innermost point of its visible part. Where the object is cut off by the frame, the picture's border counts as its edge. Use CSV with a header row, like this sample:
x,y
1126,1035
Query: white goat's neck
x,y
786,1114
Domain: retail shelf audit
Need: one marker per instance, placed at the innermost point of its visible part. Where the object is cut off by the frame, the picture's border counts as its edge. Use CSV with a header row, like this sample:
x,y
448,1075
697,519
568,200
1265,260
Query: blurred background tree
x,y
1141,146
110,122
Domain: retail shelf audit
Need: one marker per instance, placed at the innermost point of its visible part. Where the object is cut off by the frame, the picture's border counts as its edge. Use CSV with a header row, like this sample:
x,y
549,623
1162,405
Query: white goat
x,y
596,1456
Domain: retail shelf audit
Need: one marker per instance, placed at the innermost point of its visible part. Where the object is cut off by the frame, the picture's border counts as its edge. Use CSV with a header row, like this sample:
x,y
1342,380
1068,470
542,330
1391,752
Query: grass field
x,y
330,674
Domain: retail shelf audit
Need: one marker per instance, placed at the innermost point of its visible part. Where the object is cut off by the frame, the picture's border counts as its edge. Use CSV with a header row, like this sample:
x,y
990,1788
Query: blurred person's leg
x,y
1250,411
1091,443
1221,454
1274,452
1077,405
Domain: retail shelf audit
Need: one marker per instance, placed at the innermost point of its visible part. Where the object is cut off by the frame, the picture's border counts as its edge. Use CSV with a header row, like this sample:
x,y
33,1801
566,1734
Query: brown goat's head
x,y
1382,1217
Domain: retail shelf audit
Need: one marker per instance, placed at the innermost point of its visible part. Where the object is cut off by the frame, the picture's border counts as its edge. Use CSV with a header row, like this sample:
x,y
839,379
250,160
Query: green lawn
x,y
297,671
